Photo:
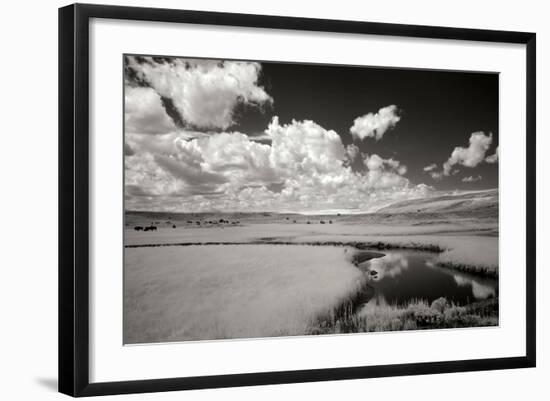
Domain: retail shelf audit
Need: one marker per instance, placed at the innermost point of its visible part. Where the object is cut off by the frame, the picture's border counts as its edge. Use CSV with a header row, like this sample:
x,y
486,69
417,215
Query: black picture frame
x,y
74,202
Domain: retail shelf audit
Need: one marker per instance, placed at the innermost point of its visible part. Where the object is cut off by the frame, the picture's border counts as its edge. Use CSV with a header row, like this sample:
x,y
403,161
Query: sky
x,y
204,135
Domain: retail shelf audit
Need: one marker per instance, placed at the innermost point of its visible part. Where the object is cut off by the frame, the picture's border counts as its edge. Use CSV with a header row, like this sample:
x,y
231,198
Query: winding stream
x,y
400,276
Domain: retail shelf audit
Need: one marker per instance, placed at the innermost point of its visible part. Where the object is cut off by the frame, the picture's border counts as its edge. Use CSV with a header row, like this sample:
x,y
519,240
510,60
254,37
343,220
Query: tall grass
x,y
417,314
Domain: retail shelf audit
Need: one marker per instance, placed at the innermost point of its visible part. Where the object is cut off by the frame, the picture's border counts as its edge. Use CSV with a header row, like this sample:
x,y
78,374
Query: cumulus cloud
x,y
144,112
384,173
472,178
302,168
431,167
204,92
305,146
470,156
493,158
375,125
436,175
375,163
352,151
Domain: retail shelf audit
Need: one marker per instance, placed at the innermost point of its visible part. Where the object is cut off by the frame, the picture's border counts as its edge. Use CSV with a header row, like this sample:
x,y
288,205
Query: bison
x,y
138,228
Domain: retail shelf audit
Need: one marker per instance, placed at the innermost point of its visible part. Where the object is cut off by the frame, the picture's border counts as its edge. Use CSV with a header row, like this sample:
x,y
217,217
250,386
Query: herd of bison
x,y
153,227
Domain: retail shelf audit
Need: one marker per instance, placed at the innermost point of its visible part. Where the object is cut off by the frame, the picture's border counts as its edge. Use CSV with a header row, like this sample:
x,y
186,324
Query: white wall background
x,y
28,199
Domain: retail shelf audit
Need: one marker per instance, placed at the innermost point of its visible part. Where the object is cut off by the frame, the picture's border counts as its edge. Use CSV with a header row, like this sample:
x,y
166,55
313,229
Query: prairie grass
x,y
232,291
467,252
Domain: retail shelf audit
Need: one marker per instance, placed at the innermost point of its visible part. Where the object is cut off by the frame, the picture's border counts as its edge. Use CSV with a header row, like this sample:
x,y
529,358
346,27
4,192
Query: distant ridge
x,y
475,201
463,204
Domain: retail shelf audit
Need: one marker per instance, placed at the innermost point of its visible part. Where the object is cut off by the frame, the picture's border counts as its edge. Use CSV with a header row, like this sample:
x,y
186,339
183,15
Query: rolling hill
x,y
484,202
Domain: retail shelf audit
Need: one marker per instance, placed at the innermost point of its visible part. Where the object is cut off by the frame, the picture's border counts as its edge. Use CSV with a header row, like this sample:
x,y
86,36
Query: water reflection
x,y
479,290
390,265
376,302
402,276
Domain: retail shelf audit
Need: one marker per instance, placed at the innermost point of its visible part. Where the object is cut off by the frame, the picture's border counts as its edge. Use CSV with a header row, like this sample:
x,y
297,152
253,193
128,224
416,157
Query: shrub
x,y
424,315
409,325
440,304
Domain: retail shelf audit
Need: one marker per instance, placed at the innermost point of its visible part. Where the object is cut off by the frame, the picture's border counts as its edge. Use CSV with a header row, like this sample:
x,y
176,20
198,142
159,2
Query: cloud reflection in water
x,y
390,265
480,291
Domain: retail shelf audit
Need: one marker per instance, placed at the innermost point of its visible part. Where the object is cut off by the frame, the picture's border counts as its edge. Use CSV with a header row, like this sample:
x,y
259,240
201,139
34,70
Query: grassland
x,y
241,285
233,291
470,248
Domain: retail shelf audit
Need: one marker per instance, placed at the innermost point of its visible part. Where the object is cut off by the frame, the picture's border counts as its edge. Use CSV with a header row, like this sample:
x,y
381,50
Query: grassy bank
x,y
468,254
416,315
480,270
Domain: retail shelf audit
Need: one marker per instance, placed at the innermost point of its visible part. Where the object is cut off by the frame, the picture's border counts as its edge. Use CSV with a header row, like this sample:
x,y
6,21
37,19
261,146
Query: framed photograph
x,y
251,199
